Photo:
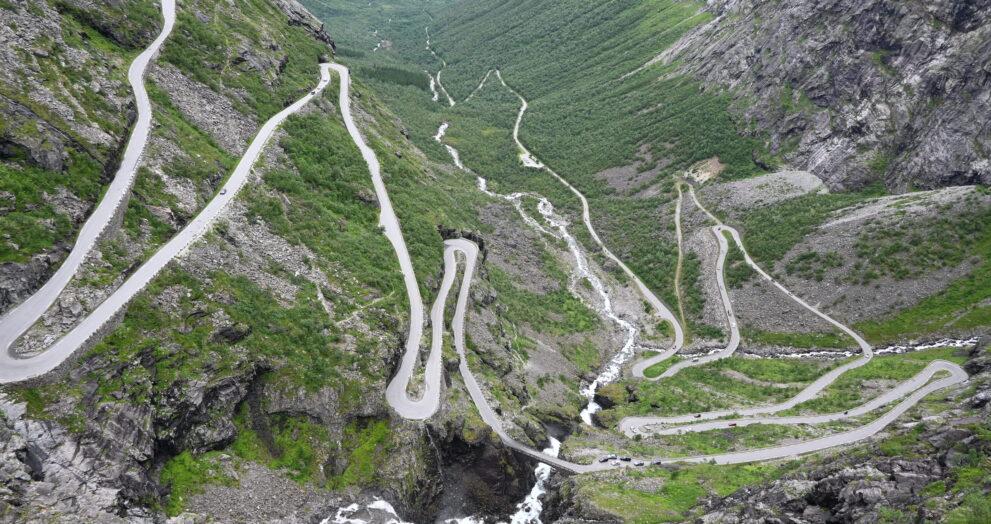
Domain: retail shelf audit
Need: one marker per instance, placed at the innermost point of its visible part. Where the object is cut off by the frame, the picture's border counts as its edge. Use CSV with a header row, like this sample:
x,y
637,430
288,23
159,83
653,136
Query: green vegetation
x,y
301,447
669,118
205,52
697,389
29,222
681,489
185,476
957,306
736,269
353,24
813,265
290,335
568,55
798,340
849,391
328,185
367,444
395,75
723,440
294,444
655,370
585,356
771,231
784,370
945,240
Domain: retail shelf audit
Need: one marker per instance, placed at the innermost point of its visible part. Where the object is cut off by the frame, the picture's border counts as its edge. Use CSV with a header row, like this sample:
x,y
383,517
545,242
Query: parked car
x,y
657,463
638,463
696,359
223,191
625,459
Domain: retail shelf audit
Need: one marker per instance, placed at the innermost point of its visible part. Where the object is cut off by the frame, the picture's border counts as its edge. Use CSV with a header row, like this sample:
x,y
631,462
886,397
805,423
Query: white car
x,y
223,191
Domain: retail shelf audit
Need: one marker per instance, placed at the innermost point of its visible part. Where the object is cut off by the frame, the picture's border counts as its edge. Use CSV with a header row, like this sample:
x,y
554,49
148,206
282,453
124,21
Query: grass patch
x,y
771,231
848,390
655,370
798,340
785,370
185,475
682,489
735,268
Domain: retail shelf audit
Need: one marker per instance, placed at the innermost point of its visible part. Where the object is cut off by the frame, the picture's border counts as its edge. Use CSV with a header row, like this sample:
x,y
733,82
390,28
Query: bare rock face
x,y
300,16
855,91
18,280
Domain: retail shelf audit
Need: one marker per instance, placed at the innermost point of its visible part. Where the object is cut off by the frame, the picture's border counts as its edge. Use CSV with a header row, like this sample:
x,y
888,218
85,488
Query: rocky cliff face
x,y
856,91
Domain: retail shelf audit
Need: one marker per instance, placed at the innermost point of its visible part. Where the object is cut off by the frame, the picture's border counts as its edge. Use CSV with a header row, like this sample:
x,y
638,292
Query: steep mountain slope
x,y
630,103
255,364
65,109
855,91
246,381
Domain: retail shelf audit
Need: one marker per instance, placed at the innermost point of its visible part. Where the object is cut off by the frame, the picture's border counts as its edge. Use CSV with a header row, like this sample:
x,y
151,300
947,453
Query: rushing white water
x,y
528,511
433,87
436,81
378,510
941,343
441,131
583,271
894,349
455,156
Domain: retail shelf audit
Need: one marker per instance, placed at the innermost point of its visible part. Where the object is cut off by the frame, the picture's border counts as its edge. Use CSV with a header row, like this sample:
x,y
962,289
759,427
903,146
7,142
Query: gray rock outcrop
x,y
855,91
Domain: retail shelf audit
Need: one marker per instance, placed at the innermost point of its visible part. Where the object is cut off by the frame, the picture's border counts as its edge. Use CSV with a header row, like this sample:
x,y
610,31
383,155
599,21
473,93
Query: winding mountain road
x,y
734,337
916,388
21,318
396,392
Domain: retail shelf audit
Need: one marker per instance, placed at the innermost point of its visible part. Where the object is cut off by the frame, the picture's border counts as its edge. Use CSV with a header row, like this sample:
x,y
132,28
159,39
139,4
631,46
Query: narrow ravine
x,y
528,511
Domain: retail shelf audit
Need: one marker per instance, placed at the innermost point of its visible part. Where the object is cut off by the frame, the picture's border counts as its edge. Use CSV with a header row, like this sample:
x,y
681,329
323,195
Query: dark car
x,y
657,463
732,424
638,463
625,459
698,415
